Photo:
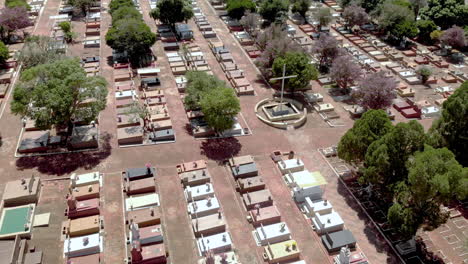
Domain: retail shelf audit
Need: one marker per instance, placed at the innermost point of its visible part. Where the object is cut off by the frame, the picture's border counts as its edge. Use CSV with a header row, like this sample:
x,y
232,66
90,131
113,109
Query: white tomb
x,y
216,243
85,179
271,234
328,223
141,201
430,111
124,94
312,208
83,245
291,165
205,207
199,192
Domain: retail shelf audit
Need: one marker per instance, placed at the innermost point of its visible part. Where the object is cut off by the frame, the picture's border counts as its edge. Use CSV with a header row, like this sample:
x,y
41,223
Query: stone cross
x,y
284,77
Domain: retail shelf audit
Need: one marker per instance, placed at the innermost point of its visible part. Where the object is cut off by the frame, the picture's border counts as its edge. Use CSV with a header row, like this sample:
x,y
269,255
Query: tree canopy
x,y
390,14
425,72
219,107
370,127
36,51
454,36
172,11
275,42
4,53
386,157
345,71
375,91
274,10
301,6
323,15
404,29
116,4
451,129
17,3
327,49
355,15
297,63
446,13
131,35
83,5
251,22
425,27
124,13
237,8
218,102
57,93
12,20
434,177
198,83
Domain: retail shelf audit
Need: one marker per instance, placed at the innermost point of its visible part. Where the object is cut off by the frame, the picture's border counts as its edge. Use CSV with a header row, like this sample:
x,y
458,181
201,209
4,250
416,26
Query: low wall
x,y
282,124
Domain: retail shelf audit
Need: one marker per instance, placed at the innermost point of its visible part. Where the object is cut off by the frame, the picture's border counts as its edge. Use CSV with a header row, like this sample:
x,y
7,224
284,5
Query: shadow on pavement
x,y
61,164
220,149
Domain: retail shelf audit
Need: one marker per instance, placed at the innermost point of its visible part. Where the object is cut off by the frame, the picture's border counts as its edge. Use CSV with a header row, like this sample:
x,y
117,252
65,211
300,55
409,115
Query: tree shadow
x,y
370,231
220,149
61,164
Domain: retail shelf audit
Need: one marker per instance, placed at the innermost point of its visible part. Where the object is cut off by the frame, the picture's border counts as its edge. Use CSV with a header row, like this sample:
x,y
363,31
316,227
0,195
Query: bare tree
x,y
376,91
345,71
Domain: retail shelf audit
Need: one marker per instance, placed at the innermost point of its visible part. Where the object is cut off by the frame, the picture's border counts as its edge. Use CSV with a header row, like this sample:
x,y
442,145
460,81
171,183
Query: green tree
x,y
297,63
323,16
436,34
17,3
434,178
55,94
370,127
404,29
199,83
425,72
425,27
131,35
274,10
116,4
138,112
68,34
219,107
124,13
36,51
301,6
390,15
172,11
237,8
370,5
446,13
4,53
386,158
83,5
451,129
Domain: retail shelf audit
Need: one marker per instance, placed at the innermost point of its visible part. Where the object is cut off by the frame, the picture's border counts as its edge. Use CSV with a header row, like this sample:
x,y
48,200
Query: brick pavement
x,y
112,211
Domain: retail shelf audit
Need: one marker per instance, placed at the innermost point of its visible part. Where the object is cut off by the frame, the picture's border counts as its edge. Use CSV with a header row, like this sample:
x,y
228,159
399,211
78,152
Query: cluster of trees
x,y
68,34
398,19
58,93
279,49
129,33
17,3
172,11
4,52
237,8
83,5
413,171
13,19
218,103
37,51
